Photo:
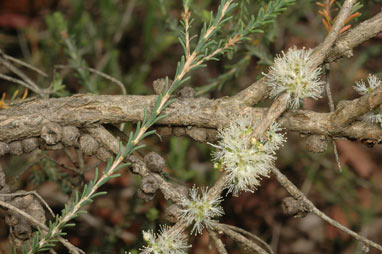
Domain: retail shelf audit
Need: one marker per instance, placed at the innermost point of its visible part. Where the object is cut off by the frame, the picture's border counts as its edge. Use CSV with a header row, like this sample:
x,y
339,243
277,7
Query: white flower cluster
x,y
200,209
165,242
362,89
245,160
291,74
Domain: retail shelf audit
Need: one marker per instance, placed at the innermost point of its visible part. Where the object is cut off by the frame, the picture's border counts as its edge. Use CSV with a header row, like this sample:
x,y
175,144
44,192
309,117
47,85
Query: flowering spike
x,y
291,74
200,209
166,242
245,160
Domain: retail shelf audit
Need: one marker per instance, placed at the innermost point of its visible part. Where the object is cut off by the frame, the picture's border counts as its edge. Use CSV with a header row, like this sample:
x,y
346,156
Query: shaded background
x,y
136,42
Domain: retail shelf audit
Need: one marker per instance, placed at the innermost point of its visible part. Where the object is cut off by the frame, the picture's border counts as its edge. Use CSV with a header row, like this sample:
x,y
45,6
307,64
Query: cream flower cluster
x,y
165,242
245,160
200,209
291,74
362,89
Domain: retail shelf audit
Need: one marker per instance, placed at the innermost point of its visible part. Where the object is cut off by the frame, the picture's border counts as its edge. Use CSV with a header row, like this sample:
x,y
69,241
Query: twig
x,y
218,242
70,156
102,74
75,170
81,162
92,166
322,50
278,107
23,44
331,108
244,232
5,189
239,238
100,65
297,194
186,19
17,61
14,80
206,88
31,84
99,225
124,22
219,186
108,77
276,230
64,242
18,194
52,251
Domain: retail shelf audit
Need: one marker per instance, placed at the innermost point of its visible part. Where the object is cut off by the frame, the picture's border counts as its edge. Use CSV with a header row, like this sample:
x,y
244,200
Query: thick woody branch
x,y
27,120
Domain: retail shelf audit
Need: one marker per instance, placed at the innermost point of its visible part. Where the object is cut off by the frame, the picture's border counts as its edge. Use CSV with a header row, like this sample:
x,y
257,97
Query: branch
x,y
298,195
354,37
278,107
218,242
255,237
27,120
239,238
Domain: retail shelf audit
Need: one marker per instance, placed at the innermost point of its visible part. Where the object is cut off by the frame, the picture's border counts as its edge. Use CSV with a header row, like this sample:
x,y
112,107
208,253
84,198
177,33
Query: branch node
x,y
154,162
316,143
294,207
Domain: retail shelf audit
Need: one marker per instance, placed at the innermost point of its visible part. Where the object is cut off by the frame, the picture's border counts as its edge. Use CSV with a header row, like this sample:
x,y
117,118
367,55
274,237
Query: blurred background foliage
x,y
136,42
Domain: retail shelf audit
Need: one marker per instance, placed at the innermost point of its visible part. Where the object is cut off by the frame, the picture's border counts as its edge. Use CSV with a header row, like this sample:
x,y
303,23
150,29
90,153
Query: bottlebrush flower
x,y
245,160
362,89
165,242
291,74
200,209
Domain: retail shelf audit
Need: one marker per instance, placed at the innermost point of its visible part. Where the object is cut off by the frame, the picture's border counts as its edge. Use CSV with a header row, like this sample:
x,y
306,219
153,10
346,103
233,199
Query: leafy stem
x,y
43,241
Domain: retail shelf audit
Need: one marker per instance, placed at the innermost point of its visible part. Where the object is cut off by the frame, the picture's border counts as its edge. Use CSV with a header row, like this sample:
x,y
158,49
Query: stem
x,y
278,107
297,194
64,242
